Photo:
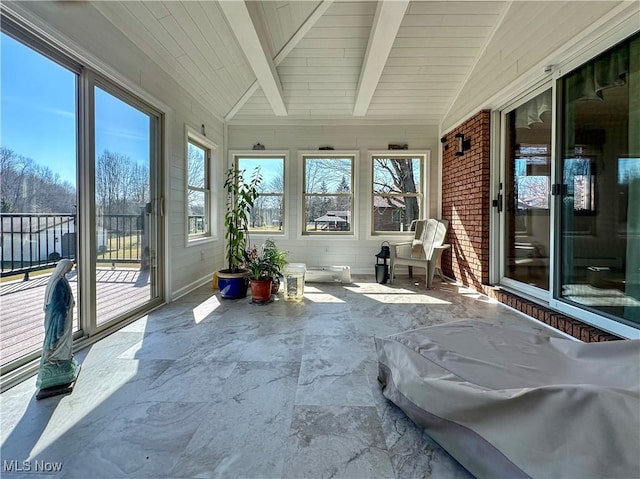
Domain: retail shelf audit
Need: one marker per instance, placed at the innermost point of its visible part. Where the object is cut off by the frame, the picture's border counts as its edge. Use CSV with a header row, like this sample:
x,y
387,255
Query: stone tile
x,y
246,433
337,442
329,323
241,440
339,380
206,387
279,346
186,381
141,440
356,346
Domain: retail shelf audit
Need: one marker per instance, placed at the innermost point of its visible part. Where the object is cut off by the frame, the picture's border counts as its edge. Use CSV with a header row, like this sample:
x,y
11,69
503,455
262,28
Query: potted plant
x,y
278,259
264,268
261,272
233,280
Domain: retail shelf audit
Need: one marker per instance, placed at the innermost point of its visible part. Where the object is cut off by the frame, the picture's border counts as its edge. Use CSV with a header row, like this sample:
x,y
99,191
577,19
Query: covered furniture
x,y
425,250
517,401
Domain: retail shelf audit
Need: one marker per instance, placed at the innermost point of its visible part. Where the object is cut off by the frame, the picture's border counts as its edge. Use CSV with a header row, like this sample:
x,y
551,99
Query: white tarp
x,y
511,403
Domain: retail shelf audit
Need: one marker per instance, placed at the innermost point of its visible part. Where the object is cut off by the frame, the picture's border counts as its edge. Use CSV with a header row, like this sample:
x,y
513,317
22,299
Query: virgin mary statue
x,y
58,367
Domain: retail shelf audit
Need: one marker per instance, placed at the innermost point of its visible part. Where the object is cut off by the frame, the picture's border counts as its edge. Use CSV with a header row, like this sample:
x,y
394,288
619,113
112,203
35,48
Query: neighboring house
x,y
37,239
389,214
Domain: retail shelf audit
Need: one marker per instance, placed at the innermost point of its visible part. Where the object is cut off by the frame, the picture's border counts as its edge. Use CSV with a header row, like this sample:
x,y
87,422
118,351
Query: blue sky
x,y
38,113
270,168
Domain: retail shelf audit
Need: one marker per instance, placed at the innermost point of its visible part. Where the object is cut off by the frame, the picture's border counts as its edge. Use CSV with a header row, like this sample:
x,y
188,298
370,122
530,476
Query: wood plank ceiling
x,y
326,60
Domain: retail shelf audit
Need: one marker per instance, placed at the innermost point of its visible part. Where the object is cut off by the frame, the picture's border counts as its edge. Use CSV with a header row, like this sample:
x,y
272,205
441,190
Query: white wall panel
x,y
514,50
356,252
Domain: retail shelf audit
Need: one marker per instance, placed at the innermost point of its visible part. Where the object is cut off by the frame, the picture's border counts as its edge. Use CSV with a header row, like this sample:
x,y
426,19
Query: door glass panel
x,y
527,188
37,190
125,224
600,171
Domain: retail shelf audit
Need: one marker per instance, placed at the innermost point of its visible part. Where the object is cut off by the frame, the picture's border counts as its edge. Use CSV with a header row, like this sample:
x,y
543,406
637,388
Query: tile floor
x,y
207,388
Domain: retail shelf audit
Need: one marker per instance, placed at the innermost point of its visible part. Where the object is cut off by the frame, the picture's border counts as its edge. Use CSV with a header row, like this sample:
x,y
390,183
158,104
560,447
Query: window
x,y
267,215
328,193
198,186
397,191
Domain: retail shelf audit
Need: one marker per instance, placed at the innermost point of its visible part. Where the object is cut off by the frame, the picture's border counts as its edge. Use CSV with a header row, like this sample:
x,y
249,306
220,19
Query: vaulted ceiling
x,y
317,60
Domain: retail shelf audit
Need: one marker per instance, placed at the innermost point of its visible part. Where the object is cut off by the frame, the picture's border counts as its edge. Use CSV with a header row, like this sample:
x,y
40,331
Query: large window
x,y
398,190
267,215
328,194
198,187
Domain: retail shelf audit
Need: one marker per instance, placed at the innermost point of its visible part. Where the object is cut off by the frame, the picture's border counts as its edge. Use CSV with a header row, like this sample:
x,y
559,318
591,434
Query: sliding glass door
x,y
80,161
126,213
569,211
599,237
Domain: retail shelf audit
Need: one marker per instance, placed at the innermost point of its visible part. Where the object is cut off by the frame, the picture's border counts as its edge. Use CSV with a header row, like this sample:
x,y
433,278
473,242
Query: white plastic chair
x,y
424,251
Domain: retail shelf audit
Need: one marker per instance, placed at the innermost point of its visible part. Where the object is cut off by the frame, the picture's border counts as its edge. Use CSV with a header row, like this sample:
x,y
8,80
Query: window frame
x,y
424,156
354,156
210,148
235,155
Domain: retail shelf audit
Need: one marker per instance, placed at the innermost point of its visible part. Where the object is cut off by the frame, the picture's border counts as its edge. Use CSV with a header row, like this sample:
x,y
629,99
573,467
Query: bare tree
x,y
195,167
396,177
28,187
122,185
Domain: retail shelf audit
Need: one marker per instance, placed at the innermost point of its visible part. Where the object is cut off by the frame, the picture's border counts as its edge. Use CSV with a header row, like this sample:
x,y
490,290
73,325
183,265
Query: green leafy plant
x,y
276,257
267,264
240,199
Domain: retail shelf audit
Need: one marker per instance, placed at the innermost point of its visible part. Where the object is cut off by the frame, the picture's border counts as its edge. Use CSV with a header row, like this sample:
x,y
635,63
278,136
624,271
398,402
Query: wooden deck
x,y
22,317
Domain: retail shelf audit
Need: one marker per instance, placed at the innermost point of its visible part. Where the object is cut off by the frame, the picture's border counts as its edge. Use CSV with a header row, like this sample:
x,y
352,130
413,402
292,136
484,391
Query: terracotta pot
x,y
260,290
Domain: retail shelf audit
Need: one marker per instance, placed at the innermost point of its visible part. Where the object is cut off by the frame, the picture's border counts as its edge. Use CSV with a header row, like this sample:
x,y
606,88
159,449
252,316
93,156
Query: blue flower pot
x,y
233,285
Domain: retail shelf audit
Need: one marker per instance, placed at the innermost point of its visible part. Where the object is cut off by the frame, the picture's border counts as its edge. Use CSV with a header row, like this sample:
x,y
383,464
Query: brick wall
x,y
466,204
556,320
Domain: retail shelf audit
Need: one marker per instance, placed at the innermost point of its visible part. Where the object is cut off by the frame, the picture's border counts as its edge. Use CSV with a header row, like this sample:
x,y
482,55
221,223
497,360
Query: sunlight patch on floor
x,y
62,420
405,299
377,288
203,310
321,297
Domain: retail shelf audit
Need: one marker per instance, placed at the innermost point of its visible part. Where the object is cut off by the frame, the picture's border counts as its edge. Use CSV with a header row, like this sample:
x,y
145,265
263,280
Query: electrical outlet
x,y
202,255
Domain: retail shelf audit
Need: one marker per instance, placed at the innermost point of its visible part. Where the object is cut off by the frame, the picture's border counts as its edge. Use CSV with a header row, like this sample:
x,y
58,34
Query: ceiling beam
x,y
282,54
386,23
256,52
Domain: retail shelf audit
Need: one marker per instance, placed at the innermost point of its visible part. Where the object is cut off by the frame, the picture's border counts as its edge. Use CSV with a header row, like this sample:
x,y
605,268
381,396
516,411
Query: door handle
x,y
498,203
